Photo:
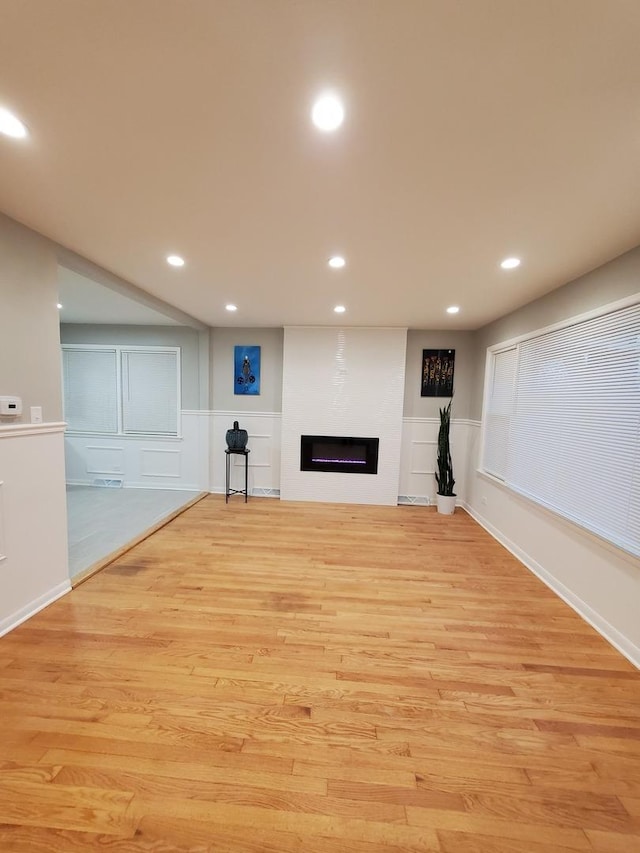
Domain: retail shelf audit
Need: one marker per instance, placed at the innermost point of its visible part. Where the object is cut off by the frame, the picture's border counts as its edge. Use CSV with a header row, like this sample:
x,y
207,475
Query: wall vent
x,y
414,500
109,482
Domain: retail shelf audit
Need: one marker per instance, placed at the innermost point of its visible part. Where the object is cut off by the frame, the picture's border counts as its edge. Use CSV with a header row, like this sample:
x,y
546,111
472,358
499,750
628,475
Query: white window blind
x,y
90,379
121,390
499,412
574,432
150,392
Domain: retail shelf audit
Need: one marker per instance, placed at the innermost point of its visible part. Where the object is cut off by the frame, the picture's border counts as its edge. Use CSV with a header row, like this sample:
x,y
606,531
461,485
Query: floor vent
x,y
109,482
265,493
417,500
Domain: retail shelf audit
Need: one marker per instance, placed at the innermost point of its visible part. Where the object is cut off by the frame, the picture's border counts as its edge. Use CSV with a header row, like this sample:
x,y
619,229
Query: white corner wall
x,y
33,521
345,382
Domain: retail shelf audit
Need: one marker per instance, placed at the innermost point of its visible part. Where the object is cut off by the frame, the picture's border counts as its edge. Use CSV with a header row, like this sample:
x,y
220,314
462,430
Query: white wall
x,y
345,382
143,462
33,523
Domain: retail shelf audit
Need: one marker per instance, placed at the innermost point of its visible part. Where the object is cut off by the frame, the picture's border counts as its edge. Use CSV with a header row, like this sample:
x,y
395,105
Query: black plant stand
x,y
229,491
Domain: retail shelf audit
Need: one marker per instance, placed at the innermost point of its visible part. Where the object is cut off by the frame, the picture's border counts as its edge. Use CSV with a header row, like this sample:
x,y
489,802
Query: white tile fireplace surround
x,y
342,382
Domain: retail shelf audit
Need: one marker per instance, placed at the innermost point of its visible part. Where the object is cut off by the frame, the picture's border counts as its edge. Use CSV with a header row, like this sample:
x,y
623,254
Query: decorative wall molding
x,y
235,416
416,450
104,460
3,556
418,458
19,430
264,430
143,462
260,456
166,459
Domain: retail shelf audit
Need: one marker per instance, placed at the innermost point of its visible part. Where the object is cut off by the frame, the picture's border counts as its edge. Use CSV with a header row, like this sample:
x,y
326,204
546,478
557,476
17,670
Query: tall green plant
x,y
444,474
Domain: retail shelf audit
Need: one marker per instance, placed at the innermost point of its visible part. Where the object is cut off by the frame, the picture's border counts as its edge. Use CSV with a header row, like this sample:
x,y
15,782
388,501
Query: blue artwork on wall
x,y
246,362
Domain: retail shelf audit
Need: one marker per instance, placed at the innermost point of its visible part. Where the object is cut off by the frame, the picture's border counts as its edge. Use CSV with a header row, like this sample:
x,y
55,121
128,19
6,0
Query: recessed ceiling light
x,y
11,126
337,262
175,260
231,307
327,113
510,263
453,309
339,309
59,305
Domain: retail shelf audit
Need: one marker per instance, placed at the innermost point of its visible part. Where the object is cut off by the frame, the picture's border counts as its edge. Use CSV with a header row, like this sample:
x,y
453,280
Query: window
x,y
562,422
121,390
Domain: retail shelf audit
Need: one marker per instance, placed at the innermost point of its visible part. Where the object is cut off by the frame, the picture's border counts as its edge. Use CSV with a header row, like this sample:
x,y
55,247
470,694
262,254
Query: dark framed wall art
x,y
246,370
437,372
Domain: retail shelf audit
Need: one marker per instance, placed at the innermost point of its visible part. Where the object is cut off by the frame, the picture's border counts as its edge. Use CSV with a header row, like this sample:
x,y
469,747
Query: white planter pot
x,y
446,504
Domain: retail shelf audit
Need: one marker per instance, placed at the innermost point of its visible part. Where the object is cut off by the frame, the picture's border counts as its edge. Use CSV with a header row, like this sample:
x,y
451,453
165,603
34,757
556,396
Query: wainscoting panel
x,y
422,457
3,555
264,429
419,454
141,461
33,520
104,460
160,462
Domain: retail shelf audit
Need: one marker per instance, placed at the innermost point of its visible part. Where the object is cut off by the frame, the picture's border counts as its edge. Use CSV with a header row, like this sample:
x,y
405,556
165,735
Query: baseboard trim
x,y
157,486
611,634
44,600
256,492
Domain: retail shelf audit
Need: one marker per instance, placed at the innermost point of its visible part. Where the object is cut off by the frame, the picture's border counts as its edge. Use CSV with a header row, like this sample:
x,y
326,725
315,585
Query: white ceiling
x,y
475,129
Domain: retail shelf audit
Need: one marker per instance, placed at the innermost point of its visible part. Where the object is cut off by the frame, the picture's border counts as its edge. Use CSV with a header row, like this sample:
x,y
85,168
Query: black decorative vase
x,y
237,438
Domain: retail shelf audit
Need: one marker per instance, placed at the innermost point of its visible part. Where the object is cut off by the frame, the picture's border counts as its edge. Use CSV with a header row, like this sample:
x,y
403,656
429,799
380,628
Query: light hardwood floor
x,y
305,677
102,520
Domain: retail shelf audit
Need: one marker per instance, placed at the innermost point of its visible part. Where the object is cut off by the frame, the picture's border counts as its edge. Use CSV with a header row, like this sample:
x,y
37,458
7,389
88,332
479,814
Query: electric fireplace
x,y
339,453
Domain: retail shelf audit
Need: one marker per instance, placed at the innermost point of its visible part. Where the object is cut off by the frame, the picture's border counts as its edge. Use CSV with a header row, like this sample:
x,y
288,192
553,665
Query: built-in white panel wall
x,y
33,522
418,460
143,462
343,382
264,429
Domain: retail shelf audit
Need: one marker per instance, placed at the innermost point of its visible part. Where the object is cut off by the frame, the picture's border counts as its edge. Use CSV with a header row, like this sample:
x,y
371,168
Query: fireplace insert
x,y
339,453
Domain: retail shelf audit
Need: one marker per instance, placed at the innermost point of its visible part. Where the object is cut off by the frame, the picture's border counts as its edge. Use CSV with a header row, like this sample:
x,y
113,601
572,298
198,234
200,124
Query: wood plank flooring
x,y
334,679
102,521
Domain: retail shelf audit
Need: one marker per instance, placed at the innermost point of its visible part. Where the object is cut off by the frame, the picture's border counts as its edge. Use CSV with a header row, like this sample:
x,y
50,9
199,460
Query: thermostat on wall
x,y
10,406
